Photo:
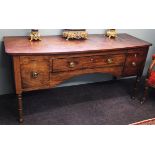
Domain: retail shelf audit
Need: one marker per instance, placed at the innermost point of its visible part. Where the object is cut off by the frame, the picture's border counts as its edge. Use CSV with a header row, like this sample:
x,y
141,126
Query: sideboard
x,y
47,63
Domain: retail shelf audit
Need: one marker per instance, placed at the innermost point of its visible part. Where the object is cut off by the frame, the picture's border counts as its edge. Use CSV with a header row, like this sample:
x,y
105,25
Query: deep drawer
x,y
35,72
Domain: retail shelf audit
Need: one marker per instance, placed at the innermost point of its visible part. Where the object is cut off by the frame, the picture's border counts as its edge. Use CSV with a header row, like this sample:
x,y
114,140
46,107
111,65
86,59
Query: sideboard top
x,y
58,45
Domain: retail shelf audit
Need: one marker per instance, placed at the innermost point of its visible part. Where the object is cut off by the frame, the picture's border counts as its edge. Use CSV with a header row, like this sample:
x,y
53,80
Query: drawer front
x,y
75,63
134,62
35,72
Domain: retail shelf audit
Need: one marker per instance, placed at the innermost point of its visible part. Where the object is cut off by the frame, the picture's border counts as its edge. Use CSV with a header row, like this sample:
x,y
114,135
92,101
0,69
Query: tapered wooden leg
x,y
145,94
136,87
20,108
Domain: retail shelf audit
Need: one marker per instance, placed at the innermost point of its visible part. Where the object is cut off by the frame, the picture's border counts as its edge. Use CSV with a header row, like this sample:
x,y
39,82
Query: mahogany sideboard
x,y
45,64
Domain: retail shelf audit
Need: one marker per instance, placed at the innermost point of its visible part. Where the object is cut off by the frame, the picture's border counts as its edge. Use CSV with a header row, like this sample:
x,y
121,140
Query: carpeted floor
x,y
104,103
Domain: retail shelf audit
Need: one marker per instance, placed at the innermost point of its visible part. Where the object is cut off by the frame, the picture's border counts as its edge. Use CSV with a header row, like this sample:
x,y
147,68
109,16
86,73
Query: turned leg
x,y
136,87
145,93
20,108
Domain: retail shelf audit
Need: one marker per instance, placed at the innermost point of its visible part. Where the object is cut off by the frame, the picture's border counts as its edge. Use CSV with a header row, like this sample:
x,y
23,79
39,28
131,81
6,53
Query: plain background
x,y
6,71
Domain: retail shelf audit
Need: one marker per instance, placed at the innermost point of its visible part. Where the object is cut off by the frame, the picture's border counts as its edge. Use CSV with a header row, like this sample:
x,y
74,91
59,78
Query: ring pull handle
x,y
34,75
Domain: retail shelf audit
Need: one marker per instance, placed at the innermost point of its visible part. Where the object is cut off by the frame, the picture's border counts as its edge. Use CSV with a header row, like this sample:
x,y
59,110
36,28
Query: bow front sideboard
x,y
47,63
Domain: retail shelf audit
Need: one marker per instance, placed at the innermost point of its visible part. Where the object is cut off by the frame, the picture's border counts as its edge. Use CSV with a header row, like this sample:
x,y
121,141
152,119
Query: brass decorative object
x,y
111,33
75,34
35,35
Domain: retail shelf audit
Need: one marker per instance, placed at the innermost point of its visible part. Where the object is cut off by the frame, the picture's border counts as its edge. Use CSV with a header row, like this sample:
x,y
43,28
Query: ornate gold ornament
x,y
35,35
111,33
75,34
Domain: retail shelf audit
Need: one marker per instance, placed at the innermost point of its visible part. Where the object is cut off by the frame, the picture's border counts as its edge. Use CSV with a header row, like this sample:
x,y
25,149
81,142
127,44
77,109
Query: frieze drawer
x,y
75,63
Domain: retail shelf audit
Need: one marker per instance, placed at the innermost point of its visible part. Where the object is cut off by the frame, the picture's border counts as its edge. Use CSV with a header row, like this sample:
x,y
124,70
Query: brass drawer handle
x,y
134,64
72,64
109,61
35,75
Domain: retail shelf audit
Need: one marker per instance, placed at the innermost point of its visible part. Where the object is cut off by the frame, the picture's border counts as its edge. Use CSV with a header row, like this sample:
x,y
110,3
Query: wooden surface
x,y
47,63
58,45
65,64
145,122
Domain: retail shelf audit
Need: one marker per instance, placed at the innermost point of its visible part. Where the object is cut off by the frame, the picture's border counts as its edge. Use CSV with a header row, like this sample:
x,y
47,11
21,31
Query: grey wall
x,y
6,74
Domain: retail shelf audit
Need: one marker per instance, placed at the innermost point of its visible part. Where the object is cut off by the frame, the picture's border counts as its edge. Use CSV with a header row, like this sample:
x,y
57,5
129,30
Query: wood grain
x,y
17,74
58,45
87,62
57,78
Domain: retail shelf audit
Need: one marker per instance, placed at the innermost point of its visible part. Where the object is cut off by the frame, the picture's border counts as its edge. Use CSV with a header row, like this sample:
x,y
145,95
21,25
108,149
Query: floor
x,y
104,103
